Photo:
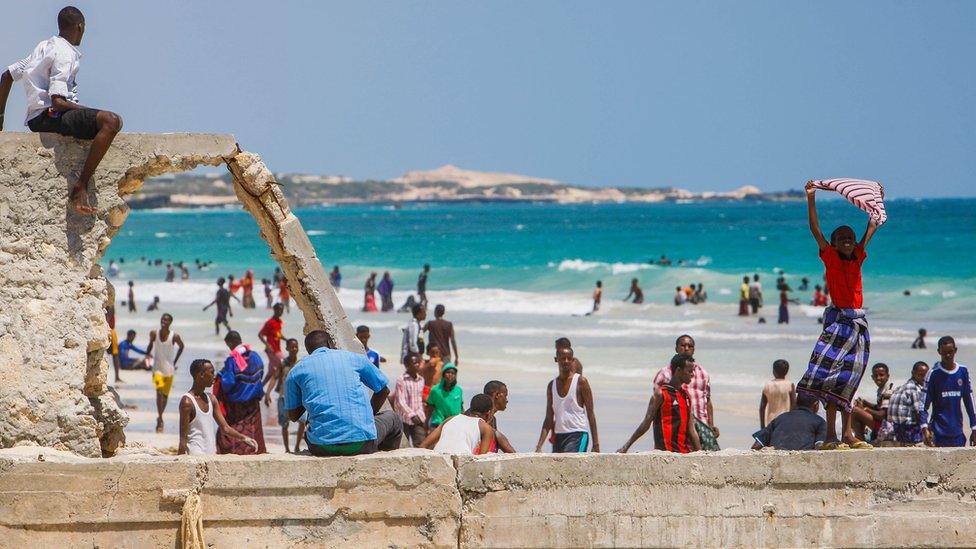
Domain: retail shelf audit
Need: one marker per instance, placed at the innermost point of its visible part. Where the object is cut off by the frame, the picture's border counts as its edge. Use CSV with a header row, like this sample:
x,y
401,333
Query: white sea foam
x,y
614,268
316,232
161,235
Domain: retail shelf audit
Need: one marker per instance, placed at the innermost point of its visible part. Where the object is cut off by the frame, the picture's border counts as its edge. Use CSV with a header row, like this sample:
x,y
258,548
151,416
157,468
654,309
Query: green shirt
x,y
445,403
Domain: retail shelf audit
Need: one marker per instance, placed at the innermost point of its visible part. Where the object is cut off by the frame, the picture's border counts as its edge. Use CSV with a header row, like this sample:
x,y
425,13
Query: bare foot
x,y
119,380
159,425
81,204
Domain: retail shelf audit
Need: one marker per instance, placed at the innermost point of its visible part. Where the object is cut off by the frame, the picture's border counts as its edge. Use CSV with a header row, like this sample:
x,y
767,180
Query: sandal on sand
x,y
861,445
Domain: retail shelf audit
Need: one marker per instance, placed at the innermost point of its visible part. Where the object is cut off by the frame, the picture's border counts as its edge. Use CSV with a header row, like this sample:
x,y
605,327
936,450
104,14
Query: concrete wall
x,y
53,332
880,498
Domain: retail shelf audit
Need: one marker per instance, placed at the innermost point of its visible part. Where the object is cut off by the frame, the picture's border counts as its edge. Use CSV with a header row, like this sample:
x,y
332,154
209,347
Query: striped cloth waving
x,y
866,195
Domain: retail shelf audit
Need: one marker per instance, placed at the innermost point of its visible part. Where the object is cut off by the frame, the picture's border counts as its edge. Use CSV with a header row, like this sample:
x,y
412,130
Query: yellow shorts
x,y
115,343
163,384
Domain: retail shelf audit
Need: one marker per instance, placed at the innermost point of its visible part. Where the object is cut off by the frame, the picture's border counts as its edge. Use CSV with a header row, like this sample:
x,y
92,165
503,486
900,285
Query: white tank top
x,y
164,353
460,435
202,440
568,415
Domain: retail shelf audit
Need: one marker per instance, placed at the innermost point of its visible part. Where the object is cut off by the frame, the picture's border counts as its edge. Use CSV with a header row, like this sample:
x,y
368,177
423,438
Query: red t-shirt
x,y
272,333
844,277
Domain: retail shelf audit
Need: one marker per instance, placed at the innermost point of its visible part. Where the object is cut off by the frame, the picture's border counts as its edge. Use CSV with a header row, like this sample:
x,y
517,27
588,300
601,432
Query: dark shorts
x,y
221,315
78,123
571,443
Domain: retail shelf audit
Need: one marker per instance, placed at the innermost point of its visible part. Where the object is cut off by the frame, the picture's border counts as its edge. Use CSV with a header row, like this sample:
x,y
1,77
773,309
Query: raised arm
x,y
653,405
548,420
868,233
6,81
812,215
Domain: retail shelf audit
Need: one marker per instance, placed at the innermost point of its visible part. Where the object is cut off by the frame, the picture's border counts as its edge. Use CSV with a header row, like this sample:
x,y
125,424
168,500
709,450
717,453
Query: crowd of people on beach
x,y
344,404
338,397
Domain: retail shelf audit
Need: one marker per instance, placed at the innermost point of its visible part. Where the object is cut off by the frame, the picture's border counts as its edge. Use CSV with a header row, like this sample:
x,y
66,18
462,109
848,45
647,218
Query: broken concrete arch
x,y
53,332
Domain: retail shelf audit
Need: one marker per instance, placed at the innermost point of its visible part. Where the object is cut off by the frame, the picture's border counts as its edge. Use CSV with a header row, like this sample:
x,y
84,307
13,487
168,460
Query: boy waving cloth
x,y
841,354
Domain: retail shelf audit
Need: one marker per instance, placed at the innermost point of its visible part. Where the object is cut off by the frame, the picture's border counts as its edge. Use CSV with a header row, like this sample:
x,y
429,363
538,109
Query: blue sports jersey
x,y
946,392
373,357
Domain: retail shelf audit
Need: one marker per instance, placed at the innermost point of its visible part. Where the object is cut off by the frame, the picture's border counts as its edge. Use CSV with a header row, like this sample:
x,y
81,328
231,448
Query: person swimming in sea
x,y
635,290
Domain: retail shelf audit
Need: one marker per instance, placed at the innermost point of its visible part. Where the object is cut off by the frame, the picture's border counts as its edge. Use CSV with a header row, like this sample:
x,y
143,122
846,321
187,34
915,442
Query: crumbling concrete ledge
x,y
414,498
53,332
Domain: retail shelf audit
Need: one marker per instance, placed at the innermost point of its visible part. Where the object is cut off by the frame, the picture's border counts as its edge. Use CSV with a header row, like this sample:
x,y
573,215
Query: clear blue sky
x,y
706,96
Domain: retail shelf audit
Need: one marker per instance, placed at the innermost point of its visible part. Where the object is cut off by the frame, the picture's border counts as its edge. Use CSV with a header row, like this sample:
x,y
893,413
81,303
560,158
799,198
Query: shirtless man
x,y
635,290
49,74
222,301
431,369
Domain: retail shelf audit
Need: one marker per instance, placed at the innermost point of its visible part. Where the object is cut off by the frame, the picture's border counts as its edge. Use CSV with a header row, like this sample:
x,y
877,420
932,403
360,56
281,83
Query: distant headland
x,y
445,184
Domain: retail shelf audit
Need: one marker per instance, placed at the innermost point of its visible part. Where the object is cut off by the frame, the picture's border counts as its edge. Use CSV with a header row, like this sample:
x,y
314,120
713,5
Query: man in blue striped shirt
x,y
343,420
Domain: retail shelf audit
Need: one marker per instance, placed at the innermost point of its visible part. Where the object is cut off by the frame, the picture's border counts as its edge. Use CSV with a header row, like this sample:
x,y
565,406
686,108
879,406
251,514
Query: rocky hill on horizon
x,y
444,184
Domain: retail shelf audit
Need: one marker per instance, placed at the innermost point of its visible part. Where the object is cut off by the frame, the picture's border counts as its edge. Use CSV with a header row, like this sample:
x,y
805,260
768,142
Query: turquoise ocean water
x,y
926,247
516,276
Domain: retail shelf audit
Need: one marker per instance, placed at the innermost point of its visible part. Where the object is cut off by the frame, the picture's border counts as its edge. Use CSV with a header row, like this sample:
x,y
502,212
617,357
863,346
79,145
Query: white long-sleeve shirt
x,y
411,333
49,70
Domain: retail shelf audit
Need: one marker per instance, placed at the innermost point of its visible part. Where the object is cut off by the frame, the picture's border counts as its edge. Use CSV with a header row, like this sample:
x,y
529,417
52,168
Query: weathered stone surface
x,y
308,282
411,498
52,292
407,499
882,498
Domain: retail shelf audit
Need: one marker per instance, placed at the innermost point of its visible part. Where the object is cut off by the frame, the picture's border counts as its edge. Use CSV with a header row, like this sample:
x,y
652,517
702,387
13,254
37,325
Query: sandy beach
x,y
621,348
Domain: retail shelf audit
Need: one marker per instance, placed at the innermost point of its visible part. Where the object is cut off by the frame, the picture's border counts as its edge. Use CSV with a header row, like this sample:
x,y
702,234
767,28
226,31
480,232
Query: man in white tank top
x,y
200,416
569,409
467,433
165,348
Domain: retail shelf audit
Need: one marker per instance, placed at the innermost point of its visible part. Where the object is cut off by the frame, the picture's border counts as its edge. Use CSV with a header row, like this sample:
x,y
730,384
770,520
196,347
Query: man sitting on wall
x,y
49,74
343,420
798,429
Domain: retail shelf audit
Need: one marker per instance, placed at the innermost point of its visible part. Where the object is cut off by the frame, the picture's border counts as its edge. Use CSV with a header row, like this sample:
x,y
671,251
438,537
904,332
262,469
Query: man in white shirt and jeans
x,y
49,74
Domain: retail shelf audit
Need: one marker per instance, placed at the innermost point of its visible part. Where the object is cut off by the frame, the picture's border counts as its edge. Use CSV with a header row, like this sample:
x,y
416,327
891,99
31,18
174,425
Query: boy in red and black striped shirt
x,y
670,411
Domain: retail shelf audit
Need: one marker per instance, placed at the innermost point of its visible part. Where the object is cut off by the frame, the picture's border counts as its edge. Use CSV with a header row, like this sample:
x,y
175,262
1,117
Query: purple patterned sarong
x,y
839,358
